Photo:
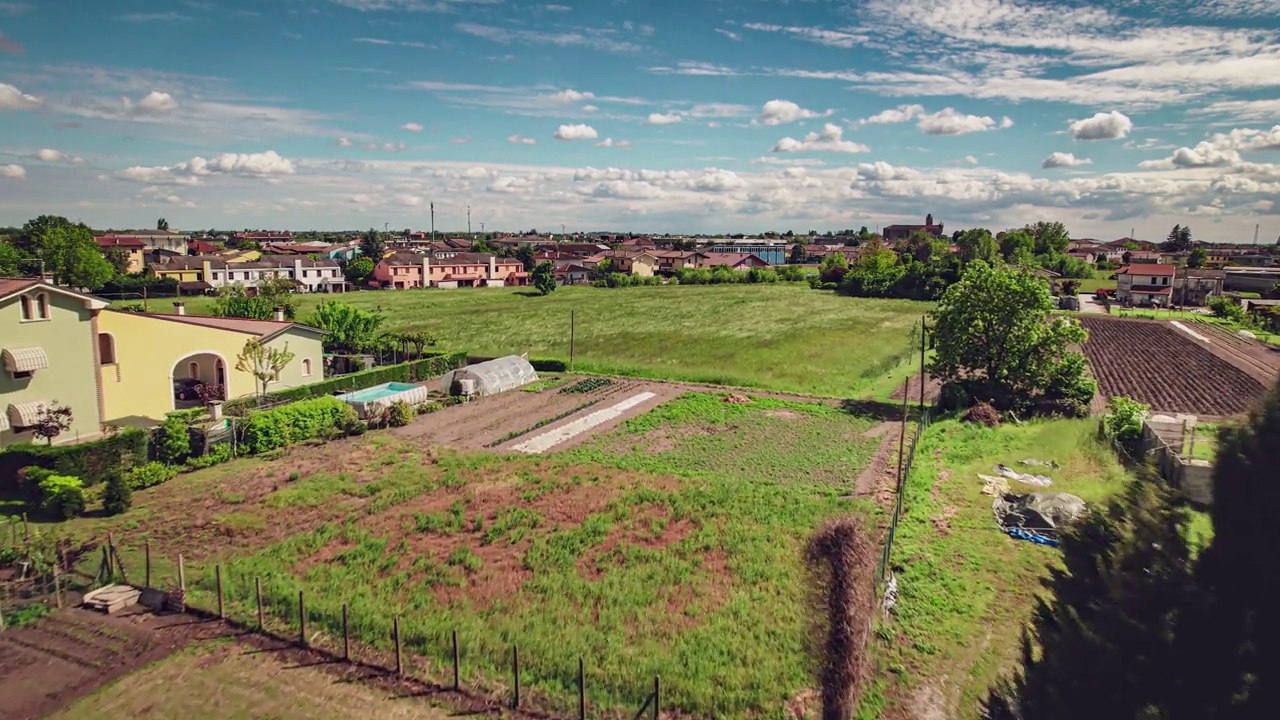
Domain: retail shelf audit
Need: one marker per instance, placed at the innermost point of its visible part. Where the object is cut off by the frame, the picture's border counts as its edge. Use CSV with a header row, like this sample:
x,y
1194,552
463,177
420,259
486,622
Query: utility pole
x,y
1255,233
433,221
562,235
468,220
481,228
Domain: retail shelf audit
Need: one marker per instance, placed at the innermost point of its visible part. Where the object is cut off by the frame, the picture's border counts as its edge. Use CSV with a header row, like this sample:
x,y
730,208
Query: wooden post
x,y
515,671
217,577
26,533
146,549
302,620
902,437
923,331
657,696
1191,453
182,584
57,587
346,634
395,635
571,337
457,685
111,568
257,590
2,618
582,690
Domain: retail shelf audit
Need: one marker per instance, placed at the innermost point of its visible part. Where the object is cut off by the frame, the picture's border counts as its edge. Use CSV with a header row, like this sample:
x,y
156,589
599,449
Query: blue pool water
x,y
377,392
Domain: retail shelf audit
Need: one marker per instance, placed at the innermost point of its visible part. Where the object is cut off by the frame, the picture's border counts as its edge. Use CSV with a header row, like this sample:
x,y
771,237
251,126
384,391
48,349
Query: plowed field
x,y
1164,368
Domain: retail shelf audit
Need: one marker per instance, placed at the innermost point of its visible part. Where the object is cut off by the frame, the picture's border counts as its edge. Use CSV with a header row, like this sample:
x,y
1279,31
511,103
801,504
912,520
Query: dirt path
x,y
880,474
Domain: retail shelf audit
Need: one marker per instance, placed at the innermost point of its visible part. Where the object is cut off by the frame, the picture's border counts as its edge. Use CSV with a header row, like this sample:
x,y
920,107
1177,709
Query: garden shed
x,y
492,377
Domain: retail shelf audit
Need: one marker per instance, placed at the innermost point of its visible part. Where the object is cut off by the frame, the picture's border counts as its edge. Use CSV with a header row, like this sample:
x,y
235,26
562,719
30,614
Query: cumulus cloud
x,y
570,96
1102,126
949,121
1223,149
264,164
1061,159
50,155
970,160
11,98
464,140
153,103
611,143
13,172
900,114
343,142
663,118
411,127
590,108
778,112
575,132
521,140
828,140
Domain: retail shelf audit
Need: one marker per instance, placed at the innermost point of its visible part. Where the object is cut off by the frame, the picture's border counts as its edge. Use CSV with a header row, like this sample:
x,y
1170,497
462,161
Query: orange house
x,y
409,270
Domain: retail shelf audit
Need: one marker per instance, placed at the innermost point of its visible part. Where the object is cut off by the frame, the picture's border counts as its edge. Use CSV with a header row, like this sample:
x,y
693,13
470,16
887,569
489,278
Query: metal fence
x,y
906,458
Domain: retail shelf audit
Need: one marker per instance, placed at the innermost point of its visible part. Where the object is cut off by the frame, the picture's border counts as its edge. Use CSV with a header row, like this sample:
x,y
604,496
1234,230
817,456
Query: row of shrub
x,y
721,275
414,371
280,427
93,462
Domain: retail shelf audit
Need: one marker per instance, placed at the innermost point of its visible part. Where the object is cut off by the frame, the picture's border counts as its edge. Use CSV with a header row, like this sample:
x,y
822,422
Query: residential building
x,y
898,233
403,271
261,237
629,262
671,261
1195,286
49,349
573,274
772,253
1140,257
155,239
140,377
733,261
133,248
201,247
213,272
239,256
1145,284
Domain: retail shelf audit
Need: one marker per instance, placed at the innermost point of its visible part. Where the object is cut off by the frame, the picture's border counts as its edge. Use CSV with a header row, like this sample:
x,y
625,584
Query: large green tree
x,y
544,278
1050,238
1198,257
1018,247
73,258
1179,239
874,274
350,329
524,254
977,244
13,262
358,269
372,246
996,337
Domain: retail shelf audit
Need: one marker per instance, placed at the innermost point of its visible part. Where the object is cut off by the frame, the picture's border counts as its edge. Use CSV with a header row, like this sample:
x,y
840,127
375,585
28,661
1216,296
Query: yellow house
x,y
133,249
151,363
239,256
182,269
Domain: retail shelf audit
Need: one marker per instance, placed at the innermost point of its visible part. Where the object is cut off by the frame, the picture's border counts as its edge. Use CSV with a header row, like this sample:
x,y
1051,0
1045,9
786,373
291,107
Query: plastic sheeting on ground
x,y
994,485
1038,512
1038,480
1030,536
1039,463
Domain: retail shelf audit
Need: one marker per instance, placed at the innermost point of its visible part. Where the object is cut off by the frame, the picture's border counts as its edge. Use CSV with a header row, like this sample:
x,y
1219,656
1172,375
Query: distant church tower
x,y
928,219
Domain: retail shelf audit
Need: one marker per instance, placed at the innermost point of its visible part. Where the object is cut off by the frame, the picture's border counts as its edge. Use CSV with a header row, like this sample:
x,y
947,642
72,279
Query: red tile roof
x,y
1148,269
110,241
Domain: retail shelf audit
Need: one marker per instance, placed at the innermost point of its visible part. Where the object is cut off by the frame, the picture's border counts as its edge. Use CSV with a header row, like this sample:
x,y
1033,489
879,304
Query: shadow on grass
x,y
879,409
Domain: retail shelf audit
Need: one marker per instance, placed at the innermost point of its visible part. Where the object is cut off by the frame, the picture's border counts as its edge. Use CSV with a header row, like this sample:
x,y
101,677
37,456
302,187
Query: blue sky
x,y
708,116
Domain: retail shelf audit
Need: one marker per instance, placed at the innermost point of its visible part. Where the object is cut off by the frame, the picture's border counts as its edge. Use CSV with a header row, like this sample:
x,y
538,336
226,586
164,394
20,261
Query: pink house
x,y
403,271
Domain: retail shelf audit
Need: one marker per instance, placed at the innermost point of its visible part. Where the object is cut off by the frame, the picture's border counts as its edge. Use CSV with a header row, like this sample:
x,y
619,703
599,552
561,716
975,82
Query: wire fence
x,y
906,450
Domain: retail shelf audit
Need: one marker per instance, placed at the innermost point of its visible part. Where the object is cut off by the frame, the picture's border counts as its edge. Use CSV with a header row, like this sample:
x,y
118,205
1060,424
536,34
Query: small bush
x,y
1123,423
173,440
402,413
1225,307
954,396
983,414
467,560
280,427
427,408
62,496
216,455
118,496
149,475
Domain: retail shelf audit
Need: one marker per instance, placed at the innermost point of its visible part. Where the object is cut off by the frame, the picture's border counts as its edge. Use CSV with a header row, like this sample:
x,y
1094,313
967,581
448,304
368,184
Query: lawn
x,y
1089,286
965,588
668,547
226,681
783,337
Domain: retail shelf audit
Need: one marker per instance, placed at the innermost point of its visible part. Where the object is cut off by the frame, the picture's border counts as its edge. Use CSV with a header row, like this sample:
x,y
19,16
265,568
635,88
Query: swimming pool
x,y
384,391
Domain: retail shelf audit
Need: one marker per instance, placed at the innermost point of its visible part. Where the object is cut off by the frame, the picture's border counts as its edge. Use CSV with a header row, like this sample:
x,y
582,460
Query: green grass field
x,y
782,337
667,546
966,589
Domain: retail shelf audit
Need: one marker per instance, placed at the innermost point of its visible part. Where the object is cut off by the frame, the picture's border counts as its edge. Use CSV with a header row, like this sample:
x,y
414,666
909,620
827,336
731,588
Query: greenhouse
x,y
492,377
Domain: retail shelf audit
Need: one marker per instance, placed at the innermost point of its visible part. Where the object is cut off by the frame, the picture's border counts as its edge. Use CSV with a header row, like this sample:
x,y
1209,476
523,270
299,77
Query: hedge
x,y
549,364
92,462
282,426
416,370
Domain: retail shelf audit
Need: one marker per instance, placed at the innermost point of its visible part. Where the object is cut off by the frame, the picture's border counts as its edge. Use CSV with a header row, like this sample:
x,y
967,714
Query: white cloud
x,y
828,140
1061,159
155,176
663,118
570,95
50,155
13,9
590,108
695,68
1220,150
556,8
13,172
611,143
386,147
153,103
595,38
900,114
842,38
1254,110
343,142
949,121
464,140
576,132
262,164
778,112
11,98
411,127
169,17
970,160
520,140
1102,126
729,34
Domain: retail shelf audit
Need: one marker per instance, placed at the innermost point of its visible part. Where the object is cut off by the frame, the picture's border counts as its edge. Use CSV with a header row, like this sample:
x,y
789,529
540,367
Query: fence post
x,y
456,683
26,533
657,696
182,584
515,671
346,635
217,577
257,591
111,546
902,436
923,331
2,618
582,690
57,587
395,633
146,549
302,620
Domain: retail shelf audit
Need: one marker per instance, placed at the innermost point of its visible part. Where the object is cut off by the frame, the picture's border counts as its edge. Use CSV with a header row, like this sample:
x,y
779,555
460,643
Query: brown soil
x,y
932,390
662,393
1259,360
880,474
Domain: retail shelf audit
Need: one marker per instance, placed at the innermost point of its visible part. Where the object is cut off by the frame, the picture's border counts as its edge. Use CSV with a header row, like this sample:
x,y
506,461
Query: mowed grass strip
x,y
647,563
966,589
783,337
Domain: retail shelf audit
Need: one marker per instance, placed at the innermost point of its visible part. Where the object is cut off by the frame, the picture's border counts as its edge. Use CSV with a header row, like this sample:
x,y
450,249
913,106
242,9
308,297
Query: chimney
x,y
426,270
179,308
297,271
928,219
206,271
493,267
278,313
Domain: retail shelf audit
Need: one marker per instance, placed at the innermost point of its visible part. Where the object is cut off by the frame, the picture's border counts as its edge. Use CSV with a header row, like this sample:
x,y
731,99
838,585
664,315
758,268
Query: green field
x,y
965,589
782,337
665,547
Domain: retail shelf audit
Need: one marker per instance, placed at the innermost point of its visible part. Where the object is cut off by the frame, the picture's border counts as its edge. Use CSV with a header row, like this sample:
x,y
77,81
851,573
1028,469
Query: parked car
x,y
186,388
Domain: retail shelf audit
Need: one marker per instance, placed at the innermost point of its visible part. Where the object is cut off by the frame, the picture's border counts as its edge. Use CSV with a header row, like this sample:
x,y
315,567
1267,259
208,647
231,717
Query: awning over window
x,y
4,421
26,359
25,414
